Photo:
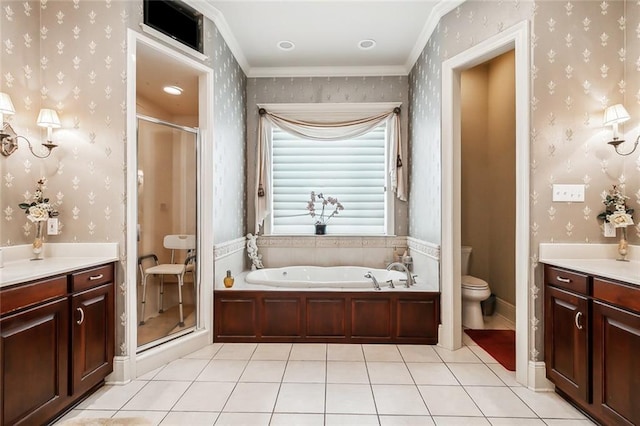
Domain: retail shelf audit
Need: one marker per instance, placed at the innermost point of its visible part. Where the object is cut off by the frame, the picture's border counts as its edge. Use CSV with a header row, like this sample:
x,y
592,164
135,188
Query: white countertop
x,y
594,259
59,258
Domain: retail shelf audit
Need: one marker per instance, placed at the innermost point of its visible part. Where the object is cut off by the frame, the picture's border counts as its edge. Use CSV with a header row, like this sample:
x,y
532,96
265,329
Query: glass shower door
x,y
167,231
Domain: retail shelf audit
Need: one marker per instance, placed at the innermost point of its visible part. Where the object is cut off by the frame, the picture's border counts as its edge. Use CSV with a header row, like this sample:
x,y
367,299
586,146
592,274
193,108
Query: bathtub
x,y
318,277
326,305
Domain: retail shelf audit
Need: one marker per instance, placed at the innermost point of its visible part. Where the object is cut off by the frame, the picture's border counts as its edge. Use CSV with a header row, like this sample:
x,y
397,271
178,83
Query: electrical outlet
x,y
52,226
609,229
568,193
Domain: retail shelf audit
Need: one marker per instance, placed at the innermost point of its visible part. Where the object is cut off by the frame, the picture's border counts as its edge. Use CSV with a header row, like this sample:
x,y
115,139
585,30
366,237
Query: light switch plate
x,y
572,193
52,226
609,229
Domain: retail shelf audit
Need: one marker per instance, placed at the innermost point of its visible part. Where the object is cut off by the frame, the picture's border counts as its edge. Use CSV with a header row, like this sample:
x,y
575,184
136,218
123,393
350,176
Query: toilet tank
x,y
464,260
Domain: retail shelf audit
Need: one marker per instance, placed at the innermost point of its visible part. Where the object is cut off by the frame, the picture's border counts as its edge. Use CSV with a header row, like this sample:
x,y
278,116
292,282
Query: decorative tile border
x,y
424,247
228,248
332,241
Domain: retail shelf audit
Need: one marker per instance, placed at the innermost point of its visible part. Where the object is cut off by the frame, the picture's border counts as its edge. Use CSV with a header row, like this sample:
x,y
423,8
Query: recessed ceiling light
x,y
173,90
366,44
286,45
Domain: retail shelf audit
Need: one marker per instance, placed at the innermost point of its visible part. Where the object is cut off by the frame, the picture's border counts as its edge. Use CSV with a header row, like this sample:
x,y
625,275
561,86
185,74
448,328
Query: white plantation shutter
x,y
353,171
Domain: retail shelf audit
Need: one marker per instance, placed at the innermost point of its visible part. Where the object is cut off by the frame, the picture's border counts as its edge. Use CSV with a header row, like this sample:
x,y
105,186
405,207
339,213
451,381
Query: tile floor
x,y
331,384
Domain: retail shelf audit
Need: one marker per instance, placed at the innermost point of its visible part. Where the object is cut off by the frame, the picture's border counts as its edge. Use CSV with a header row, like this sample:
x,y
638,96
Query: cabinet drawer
x,y
92,278
618,294
22,296
568,280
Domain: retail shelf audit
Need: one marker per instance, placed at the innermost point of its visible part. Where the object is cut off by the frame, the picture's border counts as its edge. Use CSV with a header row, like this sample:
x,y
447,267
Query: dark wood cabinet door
x,y
616,364
566,342
93,337
34,357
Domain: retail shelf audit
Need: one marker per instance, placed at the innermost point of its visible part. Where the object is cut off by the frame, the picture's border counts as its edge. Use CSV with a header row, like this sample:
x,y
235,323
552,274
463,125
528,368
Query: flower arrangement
x,y
323,218
616,210
39,209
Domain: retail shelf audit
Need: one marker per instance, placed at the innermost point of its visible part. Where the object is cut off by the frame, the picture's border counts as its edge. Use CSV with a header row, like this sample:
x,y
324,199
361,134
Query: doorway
x,y
514,38
145,57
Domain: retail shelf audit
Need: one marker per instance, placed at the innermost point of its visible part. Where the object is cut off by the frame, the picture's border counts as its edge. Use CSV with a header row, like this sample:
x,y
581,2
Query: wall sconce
x,y
9,138
613,116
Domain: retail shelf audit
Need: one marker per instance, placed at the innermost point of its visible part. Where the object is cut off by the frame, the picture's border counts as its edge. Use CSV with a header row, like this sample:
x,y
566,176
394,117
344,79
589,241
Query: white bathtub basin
x,y
322,277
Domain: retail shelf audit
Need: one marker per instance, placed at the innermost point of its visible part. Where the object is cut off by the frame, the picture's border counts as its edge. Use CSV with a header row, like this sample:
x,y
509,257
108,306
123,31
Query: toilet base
x,y
472,315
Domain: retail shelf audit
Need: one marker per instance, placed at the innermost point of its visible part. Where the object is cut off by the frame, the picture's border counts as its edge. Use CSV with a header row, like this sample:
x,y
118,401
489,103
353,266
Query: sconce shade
x,y
615,114
6,106
48,118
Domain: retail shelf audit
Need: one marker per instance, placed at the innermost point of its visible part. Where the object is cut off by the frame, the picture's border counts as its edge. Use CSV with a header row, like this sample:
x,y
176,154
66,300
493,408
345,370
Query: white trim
x,y
205,218
362,71
540,383
439,10
220,22
121,371
424,247
516,37
165,38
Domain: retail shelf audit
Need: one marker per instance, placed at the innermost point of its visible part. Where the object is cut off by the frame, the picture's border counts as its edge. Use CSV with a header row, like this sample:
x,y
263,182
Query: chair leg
x,y
144,297
180,278
161,310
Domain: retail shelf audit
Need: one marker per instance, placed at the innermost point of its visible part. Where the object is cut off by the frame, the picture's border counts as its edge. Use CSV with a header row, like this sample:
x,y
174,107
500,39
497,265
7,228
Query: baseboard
x,y
538,378
506,310
121,371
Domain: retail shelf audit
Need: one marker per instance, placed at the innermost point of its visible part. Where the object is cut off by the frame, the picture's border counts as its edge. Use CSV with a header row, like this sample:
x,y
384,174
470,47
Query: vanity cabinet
x,y
56,343
592,338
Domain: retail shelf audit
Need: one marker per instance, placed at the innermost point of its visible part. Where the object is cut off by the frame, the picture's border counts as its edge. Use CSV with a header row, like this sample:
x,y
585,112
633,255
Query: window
x,y
353,171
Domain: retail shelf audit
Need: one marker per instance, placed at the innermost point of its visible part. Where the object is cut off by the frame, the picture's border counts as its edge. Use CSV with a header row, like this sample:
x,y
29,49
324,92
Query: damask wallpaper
x,y
586,56
319,90
72,56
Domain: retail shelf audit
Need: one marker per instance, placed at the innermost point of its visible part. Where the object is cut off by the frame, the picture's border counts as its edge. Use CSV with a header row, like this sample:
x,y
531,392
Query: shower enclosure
x,y
167,205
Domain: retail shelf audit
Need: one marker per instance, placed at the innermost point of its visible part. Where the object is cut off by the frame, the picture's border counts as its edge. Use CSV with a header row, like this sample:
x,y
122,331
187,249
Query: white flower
x,y
37,214
620,219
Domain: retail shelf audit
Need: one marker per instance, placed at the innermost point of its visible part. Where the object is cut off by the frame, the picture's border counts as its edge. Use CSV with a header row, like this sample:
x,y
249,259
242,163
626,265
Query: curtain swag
x,y
327,131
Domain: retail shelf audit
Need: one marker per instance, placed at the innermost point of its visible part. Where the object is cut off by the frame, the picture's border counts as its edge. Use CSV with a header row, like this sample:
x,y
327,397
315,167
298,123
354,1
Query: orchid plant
x,y
39,209
323,217
616,210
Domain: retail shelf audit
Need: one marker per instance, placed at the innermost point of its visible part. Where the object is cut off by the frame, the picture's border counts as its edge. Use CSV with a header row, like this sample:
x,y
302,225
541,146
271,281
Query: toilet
x,y
474,290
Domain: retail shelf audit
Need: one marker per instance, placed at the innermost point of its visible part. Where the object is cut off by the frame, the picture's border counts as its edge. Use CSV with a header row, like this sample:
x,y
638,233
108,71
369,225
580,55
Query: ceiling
x,y
325,33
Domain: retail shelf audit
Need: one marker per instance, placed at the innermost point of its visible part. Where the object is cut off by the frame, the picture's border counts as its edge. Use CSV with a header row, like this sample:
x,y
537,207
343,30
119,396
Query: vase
x,y
321,228
38,241
623,245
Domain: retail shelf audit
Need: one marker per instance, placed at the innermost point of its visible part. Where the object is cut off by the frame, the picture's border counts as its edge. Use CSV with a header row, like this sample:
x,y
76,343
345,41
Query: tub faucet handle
x,y
390,282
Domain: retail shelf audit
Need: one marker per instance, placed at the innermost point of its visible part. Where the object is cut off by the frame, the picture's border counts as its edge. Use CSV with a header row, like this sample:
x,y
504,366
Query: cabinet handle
x,y
95,277
81,320
577,320
563,280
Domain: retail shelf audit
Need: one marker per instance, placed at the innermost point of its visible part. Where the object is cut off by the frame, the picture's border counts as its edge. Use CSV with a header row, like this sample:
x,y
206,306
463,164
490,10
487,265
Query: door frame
x,y
514,38
130,364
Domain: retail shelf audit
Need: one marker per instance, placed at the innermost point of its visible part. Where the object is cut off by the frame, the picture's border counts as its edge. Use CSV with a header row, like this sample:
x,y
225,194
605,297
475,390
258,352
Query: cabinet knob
x,y
563,280
95,277
577,320
81,320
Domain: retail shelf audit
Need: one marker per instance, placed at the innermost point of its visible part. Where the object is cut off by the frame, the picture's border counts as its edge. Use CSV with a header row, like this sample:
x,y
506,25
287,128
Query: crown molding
x,y
218,19
366,71
439,10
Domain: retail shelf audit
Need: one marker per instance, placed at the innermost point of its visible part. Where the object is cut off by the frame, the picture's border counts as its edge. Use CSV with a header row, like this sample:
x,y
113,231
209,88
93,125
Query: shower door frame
x,y
195,131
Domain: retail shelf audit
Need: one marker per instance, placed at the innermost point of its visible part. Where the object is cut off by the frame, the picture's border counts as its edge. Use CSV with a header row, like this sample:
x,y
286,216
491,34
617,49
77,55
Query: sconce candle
x,y
48,118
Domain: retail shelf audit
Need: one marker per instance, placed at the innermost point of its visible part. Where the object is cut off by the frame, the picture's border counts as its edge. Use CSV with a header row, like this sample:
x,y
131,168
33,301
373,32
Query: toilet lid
x,y
473,282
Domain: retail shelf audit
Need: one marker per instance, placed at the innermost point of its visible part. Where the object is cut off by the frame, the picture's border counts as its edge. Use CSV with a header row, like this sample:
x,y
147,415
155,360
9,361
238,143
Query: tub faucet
x,y
375,282
409,281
